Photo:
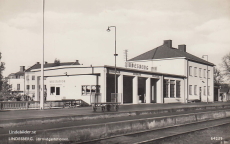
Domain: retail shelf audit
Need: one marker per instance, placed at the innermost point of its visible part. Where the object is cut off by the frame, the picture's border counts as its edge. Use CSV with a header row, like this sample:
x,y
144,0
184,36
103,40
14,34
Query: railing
x,y
13,105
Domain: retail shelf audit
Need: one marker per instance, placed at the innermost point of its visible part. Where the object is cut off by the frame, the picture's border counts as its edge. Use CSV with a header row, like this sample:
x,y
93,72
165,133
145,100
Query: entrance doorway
x,y
142,89
154,90
200,93
127,89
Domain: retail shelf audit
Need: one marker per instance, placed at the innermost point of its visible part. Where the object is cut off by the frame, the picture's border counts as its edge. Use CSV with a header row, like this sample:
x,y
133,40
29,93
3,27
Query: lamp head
x,y
108,30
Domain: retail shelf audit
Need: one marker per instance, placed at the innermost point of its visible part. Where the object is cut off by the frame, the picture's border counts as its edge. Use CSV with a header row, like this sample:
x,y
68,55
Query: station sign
x,y
136,66
57,81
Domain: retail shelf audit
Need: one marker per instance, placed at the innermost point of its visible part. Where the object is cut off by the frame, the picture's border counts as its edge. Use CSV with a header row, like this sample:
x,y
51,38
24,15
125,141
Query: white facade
x,y
79,82
17,85
17,81
196,86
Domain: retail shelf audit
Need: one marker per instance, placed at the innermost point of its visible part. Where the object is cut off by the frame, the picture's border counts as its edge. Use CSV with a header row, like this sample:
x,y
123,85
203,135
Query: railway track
x,y
162,134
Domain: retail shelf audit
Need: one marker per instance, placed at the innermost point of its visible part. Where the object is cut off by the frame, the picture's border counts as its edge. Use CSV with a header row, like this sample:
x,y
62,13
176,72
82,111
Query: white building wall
x,y
200,81
169,65
29,81
14,83
70,87
74,78
182,98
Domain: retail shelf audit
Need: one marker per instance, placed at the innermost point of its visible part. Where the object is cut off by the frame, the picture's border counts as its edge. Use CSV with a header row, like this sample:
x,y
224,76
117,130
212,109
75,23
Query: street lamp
x,y
42,63
108,30
206,76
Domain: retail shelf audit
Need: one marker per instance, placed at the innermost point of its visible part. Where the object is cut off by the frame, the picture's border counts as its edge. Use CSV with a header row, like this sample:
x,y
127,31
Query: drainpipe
x,y
187,81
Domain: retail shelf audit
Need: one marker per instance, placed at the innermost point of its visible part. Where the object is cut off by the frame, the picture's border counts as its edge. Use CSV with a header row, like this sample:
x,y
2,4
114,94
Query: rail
x,y
24,105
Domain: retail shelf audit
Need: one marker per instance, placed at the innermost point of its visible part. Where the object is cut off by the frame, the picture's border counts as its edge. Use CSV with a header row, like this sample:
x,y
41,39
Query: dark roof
x,y
20,73
164,51
46,65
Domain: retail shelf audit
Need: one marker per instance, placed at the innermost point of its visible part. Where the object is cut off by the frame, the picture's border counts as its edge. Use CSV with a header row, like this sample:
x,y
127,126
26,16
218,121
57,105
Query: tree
x,y
218,77
56,62
6,88
226,66
2,67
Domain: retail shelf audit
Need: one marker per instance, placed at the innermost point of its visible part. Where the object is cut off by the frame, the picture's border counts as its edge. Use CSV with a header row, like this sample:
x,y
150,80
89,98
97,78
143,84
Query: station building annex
x,y
161,75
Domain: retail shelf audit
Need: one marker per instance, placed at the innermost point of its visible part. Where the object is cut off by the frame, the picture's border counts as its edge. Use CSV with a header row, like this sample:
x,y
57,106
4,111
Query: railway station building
x,y
161,75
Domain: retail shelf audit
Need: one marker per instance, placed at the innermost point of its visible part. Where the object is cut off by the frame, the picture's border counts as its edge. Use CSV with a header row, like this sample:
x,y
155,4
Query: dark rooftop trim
x,y
164,51
47,65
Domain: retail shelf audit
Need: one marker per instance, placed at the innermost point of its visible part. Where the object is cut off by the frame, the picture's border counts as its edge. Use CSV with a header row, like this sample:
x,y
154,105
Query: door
x,y
200,93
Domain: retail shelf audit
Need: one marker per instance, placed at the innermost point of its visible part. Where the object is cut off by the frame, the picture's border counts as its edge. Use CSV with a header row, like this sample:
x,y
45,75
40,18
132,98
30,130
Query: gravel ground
x,y
216,135
207,136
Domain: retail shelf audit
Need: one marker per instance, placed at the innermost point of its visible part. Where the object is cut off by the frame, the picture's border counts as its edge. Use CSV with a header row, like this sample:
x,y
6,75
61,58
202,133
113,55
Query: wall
x,y
70,87
200,82
30,82
15,82
175,99
169,65
69,79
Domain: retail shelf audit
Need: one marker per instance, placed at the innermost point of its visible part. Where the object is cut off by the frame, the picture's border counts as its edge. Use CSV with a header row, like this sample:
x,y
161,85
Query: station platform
x,y
84,111
82,124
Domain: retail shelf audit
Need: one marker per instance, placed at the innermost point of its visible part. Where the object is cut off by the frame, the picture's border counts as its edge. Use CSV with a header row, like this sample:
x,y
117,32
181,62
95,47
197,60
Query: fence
x,y
11,105
95,98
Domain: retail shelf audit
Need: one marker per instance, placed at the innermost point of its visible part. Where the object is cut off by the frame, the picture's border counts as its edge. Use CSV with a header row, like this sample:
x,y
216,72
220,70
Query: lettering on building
x,y
136,66
57,81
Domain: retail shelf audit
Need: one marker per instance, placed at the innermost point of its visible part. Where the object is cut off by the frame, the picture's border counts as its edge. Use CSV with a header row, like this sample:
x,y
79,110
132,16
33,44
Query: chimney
x,y
168,43
38,63
182,47
77,61
22,68
46,62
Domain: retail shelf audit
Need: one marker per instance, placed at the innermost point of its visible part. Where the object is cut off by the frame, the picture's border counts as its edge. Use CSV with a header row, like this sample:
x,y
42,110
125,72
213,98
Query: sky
x,y
76,29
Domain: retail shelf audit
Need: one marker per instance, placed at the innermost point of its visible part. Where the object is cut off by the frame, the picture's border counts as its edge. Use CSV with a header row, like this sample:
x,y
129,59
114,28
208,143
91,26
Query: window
x,y
195,89
27,77
209,90
190,89
204,90
28,87
208,73
172,87
52,90
190,70
90,89
33,77
195,71
93,89
18,86
178,89
33,86
204,73
166,87
200,72
57,90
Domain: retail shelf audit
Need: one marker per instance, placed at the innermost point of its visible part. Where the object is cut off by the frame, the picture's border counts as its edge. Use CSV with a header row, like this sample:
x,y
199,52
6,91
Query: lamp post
x,y
206,76
115,55
42,63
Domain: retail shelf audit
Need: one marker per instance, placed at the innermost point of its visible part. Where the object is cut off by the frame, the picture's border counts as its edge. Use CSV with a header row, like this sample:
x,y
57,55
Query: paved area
x,y
22,114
